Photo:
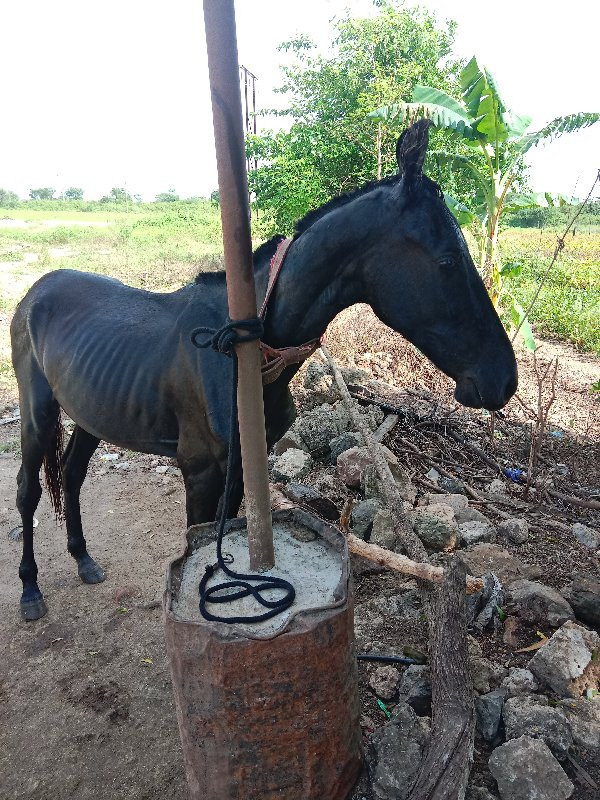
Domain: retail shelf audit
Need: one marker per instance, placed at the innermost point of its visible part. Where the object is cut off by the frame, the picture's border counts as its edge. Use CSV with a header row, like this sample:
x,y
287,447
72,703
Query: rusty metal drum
x,y
267,716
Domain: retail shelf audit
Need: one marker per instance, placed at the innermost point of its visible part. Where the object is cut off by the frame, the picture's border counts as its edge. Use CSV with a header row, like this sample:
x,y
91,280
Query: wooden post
x,y
221,42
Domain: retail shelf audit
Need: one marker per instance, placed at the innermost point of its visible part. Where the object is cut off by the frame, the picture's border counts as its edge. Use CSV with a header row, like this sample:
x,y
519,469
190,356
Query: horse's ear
x,y
411,148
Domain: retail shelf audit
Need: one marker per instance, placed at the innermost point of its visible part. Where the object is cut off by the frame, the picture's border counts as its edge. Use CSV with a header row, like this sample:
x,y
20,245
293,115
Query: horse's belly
x,y
142,430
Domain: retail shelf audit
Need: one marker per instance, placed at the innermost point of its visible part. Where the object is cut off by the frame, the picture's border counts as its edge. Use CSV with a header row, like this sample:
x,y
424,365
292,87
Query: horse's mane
x,y
264,251
267,250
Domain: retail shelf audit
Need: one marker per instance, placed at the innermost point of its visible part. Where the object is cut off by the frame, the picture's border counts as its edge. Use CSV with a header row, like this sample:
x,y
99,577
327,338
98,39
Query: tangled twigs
x,y
538,426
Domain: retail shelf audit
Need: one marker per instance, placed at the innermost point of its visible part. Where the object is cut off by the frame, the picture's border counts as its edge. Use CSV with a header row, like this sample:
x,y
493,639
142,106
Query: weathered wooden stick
x,y
445,769
409,540
400,563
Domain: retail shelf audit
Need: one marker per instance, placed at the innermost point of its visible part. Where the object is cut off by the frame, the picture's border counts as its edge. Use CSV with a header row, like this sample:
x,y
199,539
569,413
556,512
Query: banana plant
x,y
483,121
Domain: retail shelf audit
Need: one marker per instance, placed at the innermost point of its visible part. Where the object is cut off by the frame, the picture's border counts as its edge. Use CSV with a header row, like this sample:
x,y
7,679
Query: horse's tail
x,y
53,467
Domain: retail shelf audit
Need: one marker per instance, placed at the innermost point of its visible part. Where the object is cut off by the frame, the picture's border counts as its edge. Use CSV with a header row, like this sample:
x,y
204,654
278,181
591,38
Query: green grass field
x,y
163,246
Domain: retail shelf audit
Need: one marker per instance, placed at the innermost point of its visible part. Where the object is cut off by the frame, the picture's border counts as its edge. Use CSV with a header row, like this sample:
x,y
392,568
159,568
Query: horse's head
x,y
423,283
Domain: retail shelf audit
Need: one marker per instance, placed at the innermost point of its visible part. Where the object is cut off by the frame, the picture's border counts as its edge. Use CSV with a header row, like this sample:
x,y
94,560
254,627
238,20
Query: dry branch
x,y
400,563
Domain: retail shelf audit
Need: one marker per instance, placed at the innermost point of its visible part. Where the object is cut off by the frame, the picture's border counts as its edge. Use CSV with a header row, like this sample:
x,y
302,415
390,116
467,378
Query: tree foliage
x,y
45,193
331,145
73,193
167,197
8,199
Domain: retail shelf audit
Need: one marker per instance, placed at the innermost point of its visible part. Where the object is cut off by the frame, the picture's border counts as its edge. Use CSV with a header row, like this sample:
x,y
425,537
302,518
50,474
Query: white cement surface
x,y
313,568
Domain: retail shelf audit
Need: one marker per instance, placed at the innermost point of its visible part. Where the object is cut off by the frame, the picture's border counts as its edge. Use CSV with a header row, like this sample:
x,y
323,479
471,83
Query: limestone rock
x,y
316,429
584,720
515,529
525,769
486,674
538,603
567,663
395,753
384,681
370,482
383,532
472,532
530,715
291,440
520,681
292,465
588,537
436,527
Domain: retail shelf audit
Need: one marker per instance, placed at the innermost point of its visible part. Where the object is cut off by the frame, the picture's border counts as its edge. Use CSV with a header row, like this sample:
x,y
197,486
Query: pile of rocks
x,y
533,719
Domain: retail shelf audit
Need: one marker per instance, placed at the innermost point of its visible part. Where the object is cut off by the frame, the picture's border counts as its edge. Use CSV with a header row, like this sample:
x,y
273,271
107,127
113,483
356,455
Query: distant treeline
x,y
117,199
555,217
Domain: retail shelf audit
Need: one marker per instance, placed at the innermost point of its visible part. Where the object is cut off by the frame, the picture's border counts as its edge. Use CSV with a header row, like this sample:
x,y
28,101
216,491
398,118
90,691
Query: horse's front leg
x,y
76,459
203,481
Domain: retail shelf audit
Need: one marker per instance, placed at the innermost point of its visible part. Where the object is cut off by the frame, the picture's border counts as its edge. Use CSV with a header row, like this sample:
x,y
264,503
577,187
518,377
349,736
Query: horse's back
x,y
105,350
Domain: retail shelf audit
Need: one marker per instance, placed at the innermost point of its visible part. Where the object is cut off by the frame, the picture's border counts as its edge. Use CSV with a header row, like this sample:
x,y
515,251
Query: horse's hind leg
x,y
76,459
39,418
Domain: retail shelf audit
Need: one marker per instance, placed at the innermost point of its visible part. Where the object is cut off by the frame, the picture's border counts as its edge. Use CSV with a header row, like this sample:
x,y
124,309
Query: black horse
x,y
120,362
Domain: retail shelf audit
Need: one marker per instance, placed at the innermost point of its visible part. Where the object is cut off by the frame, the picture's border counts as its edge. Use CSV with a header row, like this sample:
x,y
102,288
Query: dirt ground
x,y
86,709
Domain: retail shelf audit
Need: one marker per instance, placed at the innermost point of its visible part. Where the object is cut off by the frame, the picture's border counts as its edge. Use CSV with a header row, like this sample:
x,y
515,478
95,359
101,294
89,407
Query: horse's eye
x,y
447,261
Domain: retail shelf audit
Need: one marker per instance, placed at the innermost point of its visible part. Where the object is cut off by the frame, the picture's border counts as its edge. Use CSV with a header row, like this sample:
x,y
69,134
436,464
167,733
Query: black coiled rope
x,y
224,341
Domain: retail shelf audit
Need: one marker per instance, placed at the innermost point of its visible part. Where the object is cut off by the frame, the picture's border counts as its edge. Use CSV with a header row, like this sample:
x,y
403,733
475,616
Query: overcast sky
x,y
103,93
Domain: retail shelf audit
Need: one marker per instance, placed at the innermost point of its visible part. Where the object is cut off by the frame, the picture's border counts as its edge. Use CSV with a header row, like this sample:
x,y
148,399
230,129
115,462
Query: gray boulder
x,y
384,681
539,604
516,530
525,769
483,558
370,482
475,531
588,537
567,663
395,753
584,720
488,713
383,532
436,527
292,465
415,689
362,518
584,597
530,715
316,429
345,441
520,681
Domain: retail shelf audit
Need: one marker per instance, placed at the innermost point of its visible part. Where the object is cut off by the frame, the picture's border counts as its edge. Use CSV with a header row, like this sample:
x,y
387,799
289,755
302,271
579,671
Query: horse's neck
x,y
317,281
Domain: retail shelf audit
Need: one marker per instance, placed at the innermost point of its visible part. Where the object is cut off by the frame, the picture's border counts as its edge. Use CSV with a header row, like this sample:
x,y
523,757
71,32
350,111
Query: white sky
x,y
103,93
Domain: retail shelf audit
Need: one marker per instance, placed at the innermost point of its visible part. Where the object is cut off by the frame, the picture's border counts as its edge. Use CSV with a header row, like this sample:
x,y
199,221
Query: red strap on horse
x,y
275,360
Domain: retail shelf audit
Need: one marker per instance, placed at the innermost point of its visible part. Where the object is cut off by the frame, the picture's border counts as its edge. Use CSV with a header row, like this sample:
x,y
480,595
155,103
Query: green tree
x,y
8,199
73,193
45,193
482,120
167,197
117,195
331,146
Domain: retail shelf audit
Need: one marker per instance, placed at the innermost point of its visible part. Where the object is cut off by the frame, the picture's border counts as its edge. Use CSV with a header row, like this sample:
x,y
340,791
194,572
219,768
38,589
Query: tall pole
x,y
221,43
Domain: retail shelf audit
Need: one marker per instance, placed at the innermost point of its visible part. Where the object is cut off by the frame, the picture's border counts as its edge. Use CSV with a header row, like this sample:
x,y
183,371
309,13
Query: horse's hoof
x,y
33,609
90,572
